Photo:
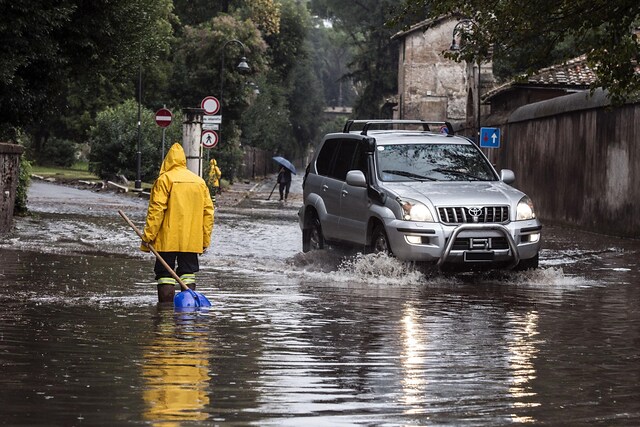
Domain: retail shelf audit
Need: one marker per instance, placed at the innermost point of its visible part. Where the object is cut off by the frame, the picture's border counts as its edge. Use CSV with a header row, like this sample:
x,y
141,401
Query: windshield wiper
x,y
459,173
411,175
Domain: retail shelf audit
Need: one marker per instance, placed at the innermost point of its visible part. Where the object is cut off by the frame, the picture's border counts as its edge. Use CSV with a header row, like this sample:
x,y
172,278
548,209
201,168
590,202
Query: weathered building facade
x,y
433,87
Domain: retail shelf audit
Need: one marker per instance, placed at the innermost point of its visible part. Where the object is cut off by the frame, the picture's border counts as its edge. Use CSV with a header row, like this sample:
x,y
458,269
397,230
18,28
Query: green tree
x,y
528,34
291,52
332,53
266,122
61,61
197,63
375,55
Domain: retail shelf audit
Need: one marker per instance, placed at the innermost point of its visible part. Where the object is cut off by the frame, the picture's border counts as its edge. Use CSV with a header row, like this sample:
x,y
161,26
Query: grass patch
x,y
79,171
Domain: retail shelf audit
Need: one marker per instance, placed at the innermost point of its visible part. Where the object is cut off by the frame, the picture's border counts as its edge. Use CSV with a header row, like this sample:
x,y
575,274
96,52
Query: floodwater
x,y
323,339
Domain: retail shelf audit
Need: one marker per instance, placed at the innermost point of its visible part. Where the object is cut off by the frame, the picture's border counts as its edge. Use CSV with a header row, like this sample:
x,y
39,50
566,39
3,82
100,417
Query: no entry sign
x,y
163,117
210,105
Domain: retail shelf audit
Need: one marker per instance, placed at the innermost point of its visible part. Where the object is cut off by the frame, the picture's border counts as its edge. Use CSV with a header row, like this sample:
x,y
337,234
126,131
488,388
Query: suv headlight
x,y
413,210
524,210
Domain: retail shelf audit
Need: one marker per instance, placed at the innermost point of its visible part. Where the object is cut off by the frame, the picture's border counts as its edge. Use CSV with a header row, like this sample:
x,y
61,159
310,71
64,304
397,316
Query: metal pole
x,y
478,112
222,77
163,131
138,183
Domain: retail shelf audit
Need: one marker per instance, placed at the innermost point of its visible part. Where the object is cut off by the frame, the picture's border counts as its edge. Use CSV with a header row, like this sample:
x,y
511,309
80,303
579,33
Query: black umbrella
x,y
286,163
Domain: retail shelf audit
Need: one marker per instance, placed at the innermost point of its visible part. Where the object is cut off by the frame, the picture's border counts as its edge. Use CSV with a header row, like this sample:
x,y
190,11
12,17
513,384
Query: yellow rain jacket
x,y
214,173
180,214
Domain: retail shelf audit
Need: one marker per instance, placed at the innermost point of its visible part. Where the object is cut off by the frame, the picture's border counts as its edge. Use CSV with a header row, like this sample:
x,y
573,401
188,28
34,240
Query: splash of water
x,y
379,268
553,277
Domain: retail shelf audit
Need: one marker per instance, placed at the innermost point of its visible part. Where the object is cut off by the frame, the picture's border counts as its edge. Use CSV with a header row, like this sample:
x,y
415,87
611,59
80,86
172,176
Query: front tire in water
x,y
380,241
312,238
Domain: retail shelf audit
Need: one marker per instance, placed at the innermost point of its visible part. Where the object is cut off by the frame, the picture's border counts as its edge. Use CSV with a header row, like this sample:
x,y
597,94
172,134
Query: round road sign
x,y
163,117
209,139
210,105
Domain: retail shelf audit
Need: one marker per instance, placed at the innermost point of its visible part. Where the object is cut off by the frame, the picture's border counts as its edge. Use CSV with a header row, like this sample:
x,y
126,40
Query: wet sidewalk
x,y
262,191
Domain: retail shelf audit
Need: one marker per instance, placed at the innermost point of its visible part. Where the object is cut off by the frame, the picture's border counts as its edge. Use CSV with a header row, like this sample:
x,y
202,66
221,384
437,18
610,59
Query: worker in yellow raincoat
x,y
214,178
179,222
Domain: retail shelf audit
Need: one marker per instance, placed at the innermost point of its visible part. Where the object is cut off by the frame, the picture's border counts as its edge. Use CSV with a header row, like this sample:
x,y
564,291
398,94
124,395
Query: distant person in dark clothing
x,y
284,179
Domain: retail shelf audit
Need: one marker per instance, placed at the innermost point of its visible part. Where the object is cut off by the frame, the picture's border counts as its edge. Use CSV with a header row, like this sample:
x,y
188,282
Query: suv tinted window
x,y
344,159
323,162
360,159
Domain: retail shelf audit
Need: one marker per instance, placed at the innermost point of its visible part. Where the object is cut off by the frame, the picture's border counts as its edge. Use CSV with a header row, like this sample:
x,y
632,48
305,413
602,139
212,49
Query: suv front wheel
x,y
380,241
312,238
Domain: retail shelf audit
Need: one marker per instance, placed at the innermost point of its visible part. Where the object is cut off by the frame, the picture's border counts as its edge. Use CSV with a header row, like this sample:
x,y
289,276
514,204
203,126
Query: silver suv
x,y
422,195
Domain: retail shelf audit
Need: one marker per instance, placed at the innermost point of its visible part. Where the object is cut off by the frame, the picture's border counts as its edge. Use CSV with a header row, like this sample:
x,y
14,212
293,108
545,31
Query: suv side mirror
x,y
507,176
356,178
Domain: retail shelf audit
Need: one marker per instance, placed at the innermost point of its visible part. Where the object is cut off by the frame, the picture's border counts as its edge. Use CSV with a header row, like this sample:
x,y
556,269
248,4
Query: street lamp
x,y
456,47
242,67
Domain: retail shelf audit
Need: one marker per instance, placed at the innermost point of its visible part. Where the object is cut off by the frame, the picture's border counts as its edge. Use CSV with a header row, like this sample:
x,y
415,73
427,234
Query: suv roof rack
x,y
425,124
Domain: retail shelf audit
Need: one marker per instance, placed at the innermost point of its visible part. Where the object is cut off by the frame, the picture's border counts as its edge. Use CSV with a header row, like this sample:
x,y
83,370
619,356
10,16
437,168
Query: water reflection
x,y
176,370
413,361
522,347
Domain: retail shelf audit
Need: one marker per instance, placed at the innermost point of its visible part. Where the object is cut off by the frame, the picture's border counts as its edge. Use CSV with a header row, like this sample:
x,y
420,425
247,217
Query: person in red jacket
x,y
179,222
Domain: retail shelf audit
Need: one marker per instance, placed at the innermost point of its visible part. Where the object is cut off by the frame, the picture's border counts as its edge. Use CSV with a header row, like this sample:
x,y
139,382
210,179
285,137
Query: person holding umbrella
x,y
284,177
284,181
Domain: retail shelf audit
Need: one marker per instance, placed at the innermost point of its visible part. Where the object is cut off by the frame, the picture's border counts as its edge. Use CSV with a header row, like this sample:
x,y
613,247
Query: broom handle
x,y
158,257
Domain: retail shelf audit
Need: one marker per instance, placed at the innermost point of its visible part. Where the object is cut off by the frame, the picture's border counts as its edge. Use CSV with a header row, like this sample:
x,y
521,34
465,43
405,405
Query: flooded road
x,y
323,339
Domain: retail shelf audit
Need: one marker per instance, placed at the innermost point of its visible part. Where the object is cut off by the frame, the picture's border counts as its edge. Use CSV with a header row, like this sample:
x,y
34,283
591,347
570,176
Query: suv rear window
x,y
432,162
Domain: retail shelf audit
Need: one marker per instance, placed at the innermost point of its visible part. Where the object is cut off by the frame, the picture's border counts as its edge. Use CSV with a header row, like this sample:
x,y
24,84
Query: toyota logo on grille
x,y
475,213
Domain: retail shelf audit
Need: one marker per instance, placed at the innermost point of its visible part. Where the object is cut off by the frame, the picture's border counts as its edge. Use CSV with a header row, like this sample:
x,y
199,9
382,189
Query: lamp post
x,y
456,47
242,66
138,183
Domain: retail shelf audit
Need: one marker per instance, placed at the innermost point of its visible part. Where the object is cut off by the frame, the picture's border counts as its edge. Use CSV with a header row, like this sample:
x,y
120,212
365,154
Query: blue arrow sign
x,y
490,137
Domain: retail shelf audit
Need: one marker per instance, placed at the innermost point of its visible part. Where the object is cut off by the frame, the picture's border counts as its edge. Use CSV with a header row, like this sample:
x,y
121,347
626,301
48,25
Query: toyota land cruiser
x,y
421,195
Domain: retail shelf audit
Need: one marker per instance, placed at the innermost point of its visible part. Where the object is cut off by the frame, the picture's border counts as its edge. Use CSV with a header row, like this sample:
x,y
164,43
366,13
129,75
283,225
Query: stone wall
x,y
579,160
9,173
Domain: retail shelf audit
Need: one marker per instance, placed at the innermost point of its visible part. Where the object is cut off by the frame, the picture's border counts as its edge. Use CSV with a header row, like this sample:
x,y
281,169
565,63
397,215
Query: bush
x,y
114,142
57,152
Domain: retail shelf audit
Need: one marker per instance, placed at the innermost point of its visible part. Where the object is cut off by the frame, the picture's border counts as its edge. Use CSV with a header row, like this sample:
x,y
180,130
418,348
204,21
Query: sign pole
x,y
163,132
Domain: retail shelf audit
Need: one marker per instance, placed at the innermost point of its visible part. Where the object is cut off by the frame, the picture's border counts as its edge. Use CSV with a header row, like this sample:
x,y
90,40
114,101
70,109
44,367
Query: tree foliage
x,y
332,52
64,58
532,31
374,66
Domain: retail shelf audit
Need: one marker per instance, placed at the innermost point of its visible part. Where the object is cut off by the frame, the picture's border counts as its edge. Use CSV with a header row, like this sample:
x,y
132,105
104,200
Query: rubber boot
x,y
166,293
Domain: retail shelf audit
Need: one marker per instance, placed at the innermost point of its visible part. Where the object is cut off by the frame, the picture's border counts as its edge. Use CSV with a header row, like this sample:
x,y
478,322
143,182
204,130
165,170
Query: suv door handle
x,y
345,193
325,187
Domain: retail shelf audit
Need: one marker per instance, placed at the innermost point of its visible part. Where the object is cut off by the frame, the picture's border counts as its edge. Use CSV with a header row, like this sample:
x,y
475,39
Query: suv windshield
x,y
432,162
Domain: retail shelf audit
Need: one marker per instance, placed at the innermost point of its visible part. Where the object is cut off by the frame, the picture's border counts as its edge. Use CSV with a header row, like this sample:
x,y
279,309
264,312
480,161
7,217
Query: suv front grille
x,y
472,214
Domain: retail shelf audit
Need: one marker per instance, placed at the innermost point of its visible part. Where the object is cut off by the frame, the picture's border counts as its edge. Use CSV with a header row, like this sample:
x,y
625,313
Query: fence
x,y
259,163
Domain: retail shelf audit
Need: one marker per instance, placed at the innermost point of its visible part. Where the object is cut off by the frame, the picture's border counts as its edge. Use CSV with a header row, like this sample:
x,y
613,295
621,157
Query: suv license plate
x,y
478,256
